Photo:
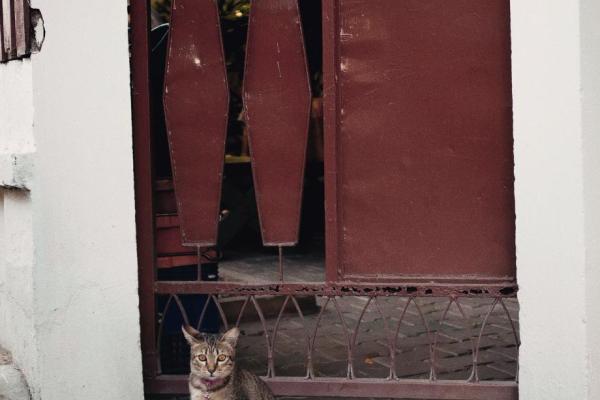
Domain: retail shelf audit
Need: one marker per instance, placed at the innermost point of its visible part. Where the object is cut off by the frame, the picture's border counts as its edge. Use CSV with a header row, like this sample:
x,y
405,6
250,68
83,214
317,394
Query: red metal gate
x,y
418,170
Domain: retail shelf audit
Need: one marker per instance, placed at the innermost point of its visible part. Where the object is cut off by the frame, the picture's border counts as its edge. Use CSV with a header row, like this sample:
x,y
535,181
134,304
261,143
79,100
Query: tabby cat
x,y
214,375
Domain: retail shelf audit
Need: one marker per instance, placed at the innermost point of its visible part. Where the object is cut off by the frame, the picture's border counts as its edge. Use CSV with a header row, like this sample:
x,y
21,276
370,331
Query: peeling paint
x,y
38,30
16,171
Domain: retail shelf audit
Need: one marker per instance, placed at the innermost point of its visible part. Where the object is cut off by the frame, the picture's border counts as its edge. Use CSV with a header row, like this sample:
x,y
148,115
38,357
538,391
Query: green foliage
x,y
232,10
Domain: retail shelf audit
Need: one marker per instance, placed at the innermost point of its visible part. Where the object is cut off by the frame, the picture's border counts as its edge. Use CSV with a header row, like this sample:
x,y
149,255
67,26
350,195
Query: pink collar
x,y
210,385
214,384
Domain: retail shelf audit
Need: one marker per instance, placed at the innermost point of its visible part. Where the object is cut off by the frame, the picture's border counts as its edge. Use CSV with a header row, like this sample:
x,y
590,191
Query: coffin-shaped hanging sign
x,y
196,99
277,109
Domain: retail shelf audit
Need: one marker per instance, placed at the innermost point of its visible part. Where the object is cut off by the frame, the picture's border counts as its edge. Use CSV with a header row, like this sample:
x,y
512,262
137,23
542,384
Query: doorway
x,y
401,277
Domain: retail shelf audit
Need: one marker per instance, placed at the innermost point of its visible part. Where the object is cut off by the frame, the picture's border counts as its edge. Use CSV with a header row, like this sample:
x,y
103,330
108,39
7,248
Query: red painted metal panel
x,y
330,127
196,99
422,154
277,109
144,179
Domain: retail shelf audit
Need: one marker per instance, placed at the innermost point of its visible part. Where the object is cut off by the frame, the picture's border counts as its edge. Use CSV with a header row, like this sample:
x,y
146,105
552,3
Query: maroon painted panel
x,y
277,108
196,99
422,154
144,179
330,11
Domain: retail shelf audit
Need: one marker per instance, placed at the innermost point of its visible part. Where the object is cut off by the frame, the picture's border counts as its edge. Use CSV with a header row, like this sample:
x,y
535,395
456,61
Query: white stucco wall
x,y
68,271
556,93
16,107
83,205
16,234
590,94
17,331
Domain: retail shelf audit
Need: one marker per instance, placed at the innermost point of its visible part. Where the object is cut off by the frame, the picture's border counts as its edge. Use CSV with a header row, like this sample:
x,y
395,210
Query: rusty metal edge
x,y
405,289
377,388
144,178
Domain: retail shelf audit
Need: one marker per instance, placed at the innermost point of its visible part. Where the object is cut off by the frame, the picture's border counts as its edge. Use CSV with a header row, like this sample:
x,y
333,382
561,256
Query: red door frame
x,y
149,286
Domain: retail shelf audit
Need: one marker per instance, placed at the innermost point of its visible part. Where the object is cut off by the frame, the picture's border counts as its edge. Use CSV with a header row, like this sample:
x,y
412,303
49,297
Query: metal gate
x,y
418,175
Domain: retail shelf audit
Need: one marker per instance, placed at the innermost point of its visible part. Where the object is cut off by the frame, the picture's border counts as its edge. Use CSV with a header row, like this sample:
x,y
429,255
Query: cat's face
x,y
212,356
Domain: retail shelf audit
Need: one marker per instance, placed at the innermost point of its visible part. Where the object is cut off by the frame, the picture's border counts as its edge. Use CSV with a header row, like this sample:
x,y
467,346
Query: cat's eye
x,y
221,357
202,357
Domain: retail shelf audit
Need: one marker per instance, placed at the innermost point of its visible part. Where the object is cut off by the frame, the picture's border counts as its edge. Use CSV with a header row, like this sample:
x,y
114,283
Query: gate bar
x,y
144,179
345,388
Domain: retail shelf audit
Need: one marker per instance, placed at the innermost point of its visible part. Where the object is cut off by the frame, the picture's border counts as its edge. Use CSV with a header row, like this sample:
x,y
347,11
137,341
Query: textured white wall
x,y
16,235
68,268
17,319
590,97
83,205
556,117
16,108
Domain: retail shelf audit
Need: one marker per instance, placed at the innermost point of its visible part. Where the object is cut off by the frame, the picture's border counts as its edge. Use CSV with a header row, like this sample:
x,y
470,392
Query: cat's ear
x,y
191,335
231,336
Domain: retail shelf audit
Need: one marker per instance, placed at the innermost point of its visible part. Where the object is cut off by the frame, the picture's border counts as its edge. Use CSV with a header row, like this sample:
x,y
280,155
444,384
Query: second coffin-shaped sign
x,y
277,109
